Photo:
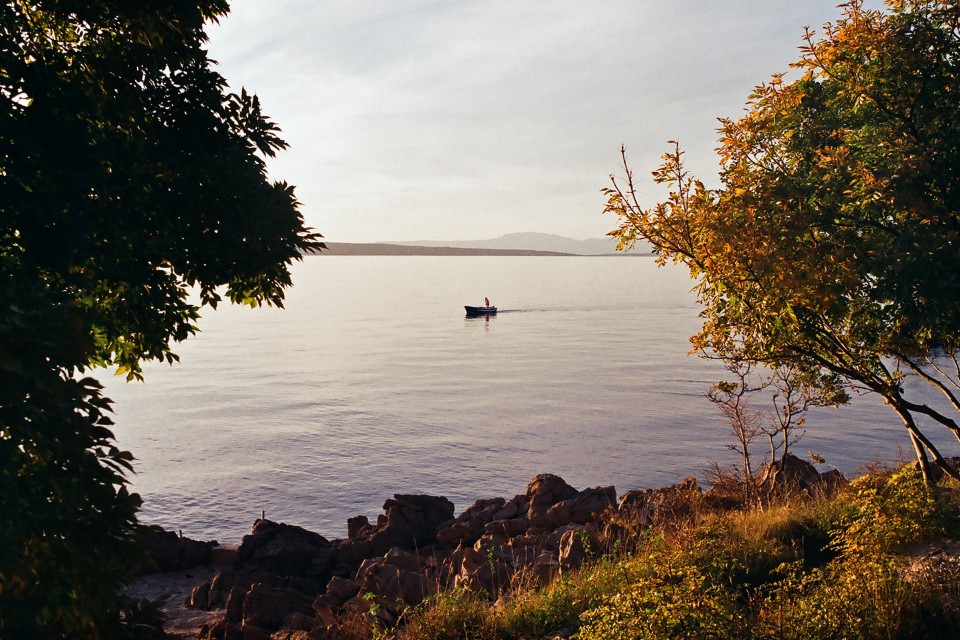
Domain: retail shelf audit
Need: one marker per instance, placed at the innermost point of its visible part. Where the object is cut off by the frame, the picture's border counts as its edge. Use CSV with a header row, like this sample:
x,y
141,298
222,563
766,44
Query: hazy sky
x,y
457,119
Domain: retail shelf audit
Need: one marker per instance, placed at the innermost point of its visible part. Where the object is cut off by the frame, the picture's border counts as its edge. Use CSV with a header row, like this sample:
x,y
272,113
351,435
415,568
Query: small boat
x,y
476,312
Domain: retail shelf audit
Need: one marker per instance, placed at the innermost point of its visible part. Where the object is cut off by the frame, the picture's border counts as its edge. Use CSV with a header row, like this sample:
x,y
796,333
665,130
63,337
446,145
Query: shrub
x,y
679,602
456,614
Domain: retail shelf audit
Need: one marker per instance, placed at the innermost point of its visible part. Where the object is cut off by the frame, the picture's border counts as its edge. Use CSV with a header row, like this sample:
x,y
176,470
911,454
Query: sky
x,y
462,120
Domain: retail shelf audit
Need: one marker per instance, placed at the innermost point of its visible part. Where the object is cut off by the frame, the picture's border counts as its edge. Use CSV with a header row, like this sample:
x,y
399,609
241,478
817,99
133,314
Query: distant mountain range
x,y
529,242
510,244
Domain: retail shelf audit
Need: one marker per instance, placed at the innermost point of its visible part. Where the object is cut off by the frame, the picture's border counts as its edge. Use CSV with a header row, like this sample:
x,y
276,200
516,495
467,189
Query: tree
x,y
832,243
791,394
129,177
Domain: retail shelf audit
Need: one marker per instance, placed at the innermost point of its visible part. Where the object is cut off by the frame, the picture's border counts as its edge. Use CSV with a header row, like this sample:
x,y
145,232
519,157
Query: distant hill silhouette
x,y
512,244
394,249
529,242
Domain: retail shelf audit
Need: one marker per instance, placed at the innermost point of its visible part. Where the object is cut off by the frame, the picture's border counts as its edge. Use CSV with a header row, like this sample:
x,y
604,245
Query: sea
x,y
371,382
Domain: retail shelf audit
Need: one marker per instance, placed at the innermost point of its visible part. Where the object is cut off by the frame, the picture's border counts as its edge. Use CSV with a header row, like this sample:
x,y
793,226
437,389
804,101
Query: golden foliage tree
x,y
833,242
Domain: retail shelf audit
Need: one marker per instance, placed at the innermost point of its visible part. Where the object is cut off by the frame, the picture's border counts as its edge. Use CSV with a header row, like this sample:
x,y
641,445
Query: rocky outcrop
x,y
281,570
291,584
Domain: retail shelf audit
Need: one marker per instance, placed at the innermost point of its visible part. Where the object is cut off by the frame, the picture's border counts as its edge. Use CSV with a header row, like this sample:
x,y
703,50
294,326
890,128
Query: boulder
x,y
199,597
793,474
516,506
507,528
545,568
296,634
285,550
544,491
582,508
410,522
284,562
269,607
832,480
646,507
576,546
469,525
394,586
234,605
483,510
339,590
404,560
414,519
356,525
453,533
168,551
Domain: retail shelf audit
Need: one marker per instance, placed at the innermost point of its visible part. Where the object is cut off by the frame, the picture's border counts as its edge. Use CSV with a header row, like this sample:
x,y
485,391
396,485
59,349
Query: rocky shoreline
x,y
284,582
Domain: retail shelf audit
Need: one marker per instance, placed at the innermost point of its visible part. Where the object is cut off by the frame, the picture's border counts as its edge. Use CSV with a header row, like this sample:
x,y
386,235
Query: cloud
x,y
437,119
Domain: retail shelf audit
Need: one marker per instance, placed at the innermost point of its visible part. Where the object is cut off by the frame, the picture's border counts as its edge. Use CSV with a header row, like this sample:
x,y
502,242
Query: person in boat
x,y
486,302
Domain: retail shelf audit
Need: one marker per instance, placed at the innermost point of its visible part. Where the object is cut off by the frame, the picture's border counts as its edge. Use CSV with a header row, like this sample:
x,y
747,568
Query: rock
x,y
168,551
487,570
832,480
278,549
269,607
341,589
792,474
234,605
544,491
576,545
395,586
582,508
355,525
469,525
278,555
218,589
454,533
545,568
411,522
414,519
403,560
298,622
507,528
292,584
256,633
296,634
646,507
517,505
482,510
200,597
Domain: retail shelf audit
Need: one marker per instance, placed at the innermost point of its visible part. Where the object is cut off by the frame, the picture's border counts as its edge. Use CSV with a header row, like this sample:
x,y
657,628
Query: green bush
x,y
889,510
866,592
677,602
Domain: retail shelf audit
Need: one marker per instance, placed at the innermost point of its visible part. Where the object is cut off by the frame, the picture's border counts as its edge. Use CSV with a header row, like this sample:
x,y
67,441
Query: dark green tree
x,y
833,244
129,177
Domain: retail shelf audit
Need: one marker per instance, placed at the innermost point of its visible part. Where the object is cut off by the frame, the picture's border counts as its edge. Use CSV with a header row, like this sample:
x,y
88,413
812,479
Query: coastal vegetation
x,y
876,560
129,176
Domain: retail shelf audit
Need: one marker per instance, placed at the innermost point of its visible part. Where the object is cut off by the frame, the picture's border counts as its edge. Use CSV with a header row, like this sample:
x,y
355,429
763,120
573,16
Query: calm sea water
x,y
371,382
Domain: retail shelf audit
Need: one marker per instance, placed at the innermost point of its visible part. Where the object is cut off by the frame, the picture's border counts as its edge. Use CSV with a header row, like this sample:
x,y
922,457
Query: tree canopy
x,y
832,243
129,177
